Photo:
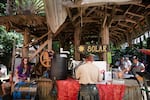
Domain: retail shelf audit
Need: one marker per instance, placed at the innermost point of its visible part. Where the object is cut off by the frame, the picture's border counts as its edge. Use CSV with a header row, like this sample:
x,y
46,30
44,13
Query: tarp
x,y
68,90
55,14
145,51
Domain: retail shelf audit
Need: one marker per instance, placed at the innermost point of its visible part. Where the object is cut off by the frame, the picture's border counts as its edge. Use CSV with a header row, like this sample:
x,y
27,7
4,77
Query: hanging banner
x,y
109,59
55,13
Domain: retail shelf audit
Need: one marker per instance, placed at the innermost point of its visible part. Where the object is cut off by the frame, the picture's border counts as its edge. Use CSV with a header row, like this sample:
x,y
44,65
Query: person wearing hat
x,y
88,75
137,66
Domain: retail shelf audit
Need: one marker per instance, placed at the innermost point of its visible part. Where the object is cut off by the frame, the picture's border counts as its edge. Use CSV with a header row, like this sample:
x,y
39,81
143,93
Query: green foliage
x,y
129,52
2,9
7,40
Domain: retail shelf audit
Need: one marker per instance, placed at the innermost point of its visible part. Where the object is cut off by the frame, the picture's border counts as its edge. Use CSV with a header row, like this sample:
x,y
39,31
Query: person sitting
x,y
7,88
22,71
122,67
128,64
137,66
8,84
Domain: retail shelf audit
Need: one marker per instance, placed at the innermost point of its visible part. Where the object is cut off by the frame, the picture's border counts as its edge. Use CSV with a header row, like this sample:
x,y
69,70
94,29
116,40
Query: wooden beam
x,y
119,18
75,17
93,9
118,33
98,3
147,20
87,20
116,9
134,31
116,36
121,29
129,39
124,25
140,26
61,28
139,4
113,12
69,13
117,28
130,6
134,14
112,39
104,22
148,6
38,50
35,41
130,20
102,12
84,11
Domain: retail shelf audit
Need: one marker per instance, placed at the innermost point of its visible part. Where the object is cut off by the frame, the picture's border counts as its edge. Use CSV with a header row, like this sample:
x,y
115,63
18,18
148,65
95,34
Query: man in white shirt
x,y
88,75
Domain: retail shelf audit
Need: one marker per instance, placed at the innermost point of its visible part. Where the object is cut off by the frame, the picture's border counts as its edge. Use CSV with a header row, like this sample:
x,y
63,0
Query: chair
x,y
146,83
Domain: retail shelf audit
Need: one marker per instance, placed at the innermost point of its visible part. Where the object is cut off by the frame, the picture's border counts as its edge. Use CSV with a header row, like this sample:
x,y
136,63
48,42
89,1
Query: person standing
x,y
88,75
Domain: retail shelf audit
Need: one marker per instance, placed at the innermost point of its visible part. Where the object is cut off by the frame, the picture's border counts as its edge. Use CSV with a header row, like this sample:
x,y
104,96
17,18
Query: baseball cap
x,y
135,57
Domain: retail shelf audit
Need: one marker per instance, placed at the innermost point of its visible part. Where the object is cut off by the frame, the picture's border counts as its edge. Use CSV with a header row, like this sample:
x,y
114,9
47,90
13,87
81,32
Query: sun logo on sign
x,y
81,48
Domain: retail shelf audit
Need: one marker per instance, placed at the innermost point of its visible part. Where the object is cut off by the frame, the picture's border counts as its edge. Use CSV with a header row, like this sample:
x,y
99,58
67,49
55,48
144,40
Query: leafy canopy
x,y
7,40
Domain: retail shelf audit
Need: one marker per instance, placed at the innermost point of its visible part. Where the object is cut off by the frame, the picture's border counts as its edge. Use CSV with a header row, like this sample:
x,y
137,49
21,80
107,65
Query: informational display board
x,y
101,65
102,68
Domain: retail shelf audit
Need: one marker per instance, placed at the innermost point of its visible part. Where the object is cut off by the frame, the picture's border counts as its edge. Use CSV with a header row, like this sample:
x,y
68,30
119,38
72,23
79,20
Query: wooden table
x,y
132,91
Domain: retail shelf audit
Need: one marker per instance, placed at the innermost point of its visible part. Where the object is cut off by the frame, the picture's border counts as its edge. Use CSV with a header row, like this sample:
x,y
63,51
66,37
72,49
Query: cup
x,y
28,79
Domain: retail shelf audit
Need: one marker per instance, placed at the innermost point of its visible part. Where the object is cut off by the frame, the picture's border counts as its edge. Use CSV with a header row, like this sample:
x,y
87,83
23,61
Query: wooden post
x,y
77,42
105,40
50,37
25,50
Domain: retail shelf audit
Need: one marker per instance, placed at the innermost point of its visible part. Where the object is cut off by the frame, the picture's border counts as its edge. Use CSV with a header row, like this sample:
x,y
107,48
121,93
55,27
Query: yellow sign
x,y
92,48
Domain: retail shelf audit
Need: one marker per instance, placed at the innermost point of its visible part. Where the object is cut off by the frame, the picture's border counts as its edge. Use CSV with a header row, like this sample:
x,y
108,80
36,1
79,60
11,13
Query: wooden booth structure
x,y
76,22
